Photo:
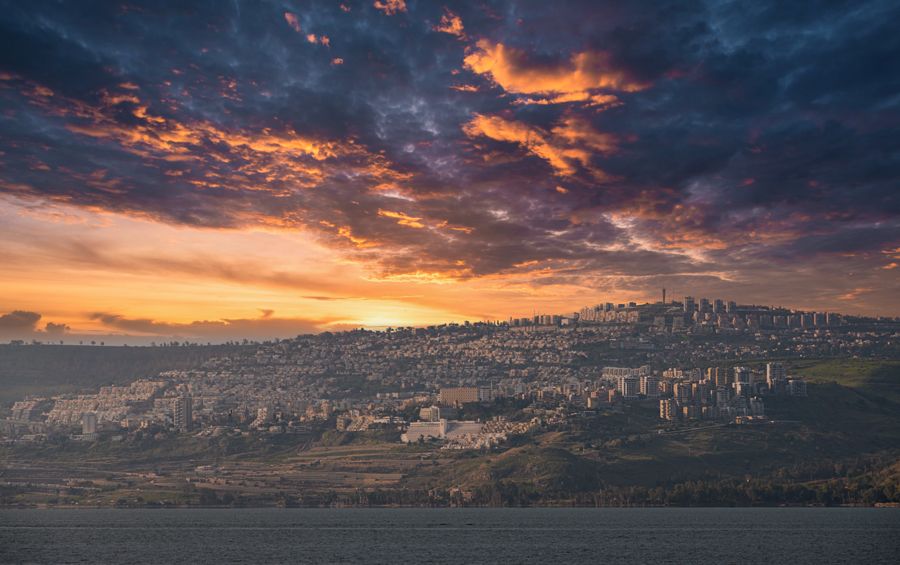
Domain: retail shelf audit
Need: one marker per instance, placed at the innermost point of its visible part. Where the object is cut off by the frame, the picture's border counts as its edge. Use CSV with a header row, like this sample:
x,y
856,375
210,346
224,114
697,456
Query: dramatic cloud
x,y
390,7
508,151
574,78
570,143
293,21
452,24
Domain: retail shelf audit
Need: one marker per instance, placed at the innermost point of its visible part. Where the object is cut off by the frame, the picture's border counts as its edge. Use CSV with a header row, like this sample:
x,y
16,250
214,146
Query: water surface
x,y
539,535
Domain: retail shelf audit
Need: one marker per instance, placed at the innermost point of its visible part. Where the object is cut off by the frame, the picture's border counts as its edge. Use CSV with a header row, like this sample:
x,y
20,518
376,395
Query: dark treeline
x,y
727,492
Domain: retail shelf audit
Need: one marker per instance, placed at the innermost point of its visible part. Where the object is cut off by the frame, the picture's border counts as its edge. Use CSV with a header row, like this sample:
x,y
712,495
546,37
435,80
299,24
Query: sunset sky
x,y
218,170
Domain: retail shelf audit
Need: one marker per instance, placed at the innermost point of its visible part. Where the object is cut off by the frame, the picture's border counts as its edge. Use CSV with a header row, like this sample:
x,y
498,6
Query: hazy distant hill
x,y
50,369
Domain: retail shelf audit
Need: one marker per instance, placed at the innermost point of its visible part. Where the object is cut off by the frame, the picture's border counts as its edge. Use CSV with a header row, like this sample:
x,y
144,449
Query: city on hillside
x,y
698,359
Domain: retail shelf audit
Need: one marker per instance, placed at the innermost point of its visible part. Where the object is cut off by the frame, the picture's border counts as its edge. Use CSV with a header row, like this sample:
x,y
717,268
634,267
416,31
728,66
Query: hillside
x,y
839,445
54,369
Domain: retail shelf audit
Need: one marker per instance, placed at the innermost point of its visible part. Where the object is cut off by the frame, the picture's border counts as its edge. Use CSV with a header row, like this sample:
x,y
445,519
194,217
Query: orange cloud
x,y
346,232
167,136
854,294
223,159
320,39
402,219
605,101
450,23
578,132
463,229
421,276
567,145
390,7
292,21
582,73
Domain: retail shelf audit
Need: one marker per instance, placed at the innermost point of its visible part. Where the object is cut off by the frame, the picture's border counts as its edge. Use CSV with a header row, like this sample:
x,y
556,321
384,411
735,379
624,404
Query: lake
x,y
538,535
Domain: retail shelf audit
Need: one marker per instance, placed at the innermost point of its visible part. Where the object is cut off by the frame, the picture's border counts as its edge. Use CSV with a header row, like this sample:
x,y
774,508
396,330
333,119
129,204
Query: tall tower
x,y
182,415
664,295
774,372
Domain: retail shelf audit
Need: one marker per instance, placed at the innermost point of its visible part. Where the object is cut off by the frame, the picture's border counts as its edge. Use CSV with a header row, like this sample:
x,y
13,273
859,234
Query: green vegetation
x,y
878,377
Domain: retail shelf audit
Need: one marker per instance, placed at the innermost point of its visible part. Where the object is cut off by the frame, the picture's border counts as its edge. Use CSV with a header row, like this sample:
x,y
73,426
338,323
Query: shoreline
x,y
410,507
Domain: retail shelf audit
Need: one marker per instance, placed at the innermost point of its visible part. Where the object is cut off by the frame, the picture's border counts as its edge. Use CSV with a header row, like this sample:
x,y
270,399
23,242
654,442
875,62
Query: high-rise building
x,y
700,393
667,409
459,395
731,307
723,377
757,407
743,375
486,394
722,396
650,386
183,415
629,387
682,393
774,372
796,387
688,304
718,306
88,423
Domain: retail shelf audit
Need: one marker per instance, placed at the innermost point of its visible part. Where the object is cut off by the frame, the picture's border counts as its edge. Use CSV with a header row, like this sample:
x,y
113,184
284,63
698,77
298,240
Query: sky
x,y
216,170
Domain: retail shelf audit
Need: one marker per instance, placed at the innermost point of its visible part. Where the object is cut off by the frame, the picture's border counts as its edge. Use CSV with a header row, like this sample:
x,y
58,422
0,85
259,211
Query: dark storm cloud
x,y
19,320
579,137
55,329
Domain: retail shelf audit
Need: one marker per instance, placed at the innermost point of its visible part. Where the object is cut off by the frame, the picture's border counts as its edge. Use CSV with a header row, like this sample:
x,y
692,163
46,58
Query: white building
x,y
442,429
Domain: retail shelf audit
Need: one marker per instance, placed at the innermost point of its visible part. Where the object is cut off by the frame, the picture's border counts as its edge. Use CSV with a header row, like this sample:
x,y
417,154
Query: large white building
x,y
442,429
